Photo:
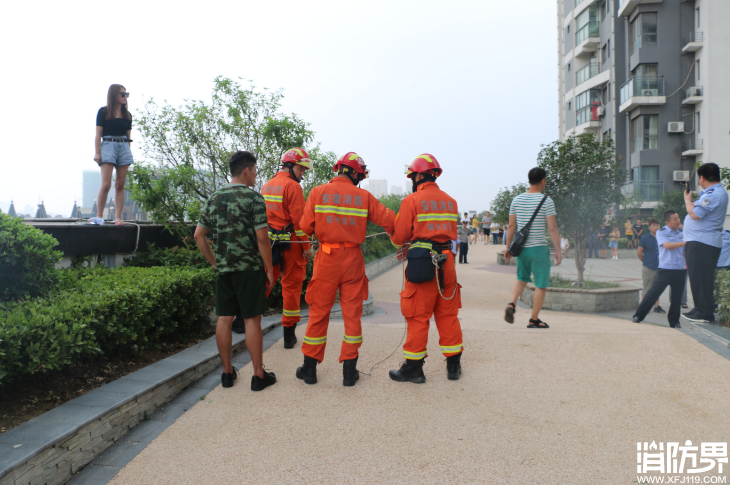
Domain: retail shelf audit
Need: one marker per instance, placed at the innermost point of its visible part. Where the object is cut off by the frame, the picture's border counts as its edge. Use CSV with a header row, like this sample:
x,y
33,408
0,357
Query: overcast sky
x,y
471,82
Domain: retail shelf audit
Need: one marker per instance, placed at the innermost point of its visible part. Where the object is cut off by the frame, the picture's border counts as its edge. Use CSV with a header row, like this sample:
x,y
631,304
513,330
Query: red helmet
x,y
297,156
353,161
424,164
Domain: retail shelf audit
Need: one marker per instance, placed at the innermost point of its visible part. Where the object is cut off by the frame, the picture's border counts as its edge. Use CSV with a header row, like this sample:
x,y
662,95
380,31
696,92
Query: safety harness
x,y
280,241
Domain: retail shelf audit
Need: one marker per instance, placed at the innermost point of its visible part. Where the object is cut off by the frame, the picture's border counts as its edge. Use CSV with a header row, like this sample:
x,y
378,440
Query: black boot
x,y
290,337
411,370
349,372
308,371
453,367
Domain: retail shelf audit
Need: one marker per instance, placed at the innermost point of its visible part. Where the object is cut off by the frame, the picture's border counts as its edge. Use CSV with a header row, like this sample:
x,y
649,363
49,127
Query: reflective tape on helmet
x,y
437,217
409,355
292,313
352,339
271,198
363,213
315,341
452,349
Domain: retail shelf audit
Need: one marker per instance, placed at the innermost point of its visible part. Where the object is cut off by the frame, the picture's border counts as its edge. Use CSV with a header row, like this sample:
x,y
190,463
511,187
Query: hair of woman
x,y
111,101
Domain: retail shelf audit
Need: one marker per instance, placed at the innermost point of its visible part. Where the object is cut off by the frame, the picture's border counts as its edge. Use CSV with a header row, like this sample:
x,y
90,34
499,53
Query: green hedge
x,y
100,311
722,295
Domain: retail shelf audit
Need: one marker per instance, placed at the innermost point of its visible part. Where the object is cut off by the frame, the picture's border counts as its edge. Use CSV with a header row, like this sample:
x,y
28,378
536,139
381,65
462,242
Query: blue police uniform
x,y
724,261
671,273
704,244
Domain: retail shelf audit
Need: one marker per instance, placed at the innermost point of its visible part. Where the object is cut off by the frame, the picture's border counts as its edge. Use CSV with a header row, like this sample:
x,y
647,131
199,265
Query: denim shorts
x,y
117,153
613,244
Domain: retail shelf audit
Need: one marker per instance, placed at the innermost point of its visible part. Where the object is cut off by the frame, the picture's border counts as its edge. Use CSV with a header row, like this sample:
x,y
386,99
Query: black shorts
x,y
630,237
485,231
241,293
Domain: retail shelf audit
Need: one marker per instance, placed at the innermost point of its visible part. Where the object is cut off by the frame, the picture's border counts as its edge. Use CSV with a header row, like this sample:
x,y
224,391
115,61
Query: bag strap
x,y
534,215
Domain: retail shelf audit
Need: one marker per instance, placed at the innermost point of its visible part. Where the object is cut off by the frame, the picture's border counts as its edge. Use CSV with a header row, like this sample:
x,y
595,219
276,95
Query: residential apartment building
x,y
654,76
377,187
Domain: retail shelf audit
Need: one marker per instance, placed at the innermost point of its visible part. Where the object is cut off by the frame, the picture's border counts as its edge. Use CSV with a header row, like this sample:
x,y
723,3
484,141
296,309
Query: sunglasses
x,y
124,95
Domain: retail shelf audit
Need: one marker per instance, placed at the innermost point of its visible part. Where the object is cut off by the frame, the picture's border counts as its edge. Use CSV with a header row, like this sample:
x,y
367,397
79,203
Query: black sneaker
x,y
698,318
636,319
677,326
239,327
690,313
258,384
658,309
227,379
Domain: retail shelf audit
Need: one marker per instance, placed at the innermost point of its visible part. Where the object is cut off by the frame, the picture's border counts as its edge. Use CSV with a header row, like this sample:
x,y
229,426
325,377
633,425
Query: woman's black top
x,y
116,127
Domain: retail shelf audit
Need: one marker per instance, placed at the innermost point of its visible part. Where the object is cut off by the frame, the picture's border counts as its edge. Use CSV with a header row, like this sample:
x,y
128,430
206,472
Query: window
x,y
586,105
645,173
644,133
698,69
587,25
698,122
568,28
643,32
604,95
609,91
698,17
569,104
603,53
646,70
605,135
568,67
609,48
609,133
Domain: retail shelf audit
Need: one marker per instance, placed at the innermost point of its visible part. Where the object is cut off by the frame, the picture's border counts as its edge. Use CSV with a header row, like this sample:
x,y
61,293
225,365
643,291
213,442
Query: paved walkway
x,y
563,405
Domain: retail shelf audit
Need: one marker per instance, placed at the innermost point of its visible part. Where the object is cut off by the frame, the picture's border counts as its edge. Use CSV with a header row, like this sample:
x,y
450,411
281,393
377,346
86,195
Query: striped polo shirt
x,y
523,206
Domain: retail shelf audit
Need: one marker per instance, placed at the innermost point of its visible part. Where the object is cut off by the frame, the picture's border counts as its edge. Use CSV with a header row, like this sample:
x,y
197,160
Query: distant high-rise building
x,y
378,187
398,190
91,186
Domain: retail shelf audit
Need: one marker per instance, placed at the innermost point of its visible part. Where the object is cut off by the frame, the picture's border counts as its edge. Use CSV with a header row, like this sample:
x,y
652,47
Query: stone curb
x,y
711,334
54,446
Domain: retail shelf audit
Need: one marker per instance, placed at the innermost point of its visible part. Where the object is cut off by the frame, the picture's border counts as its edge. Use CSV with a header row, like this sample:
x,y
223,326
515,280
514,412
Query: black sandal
x,y
509,313
537,324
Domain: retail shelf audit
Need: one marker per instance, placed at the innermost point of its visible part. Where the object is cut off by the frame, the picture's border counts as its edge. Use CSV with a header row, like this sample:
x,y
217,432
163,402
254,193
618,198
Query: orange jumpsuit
x,y
430,214
284,206
339,213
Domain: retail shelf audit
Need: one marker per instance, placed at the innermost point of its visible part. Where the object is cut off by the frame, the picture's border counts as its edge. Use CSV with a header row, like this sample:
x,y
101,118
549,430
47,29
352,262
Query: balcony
x,y
588,119
694,42
648,191
627,6
693,96
642,90
692,147
590,70
587,39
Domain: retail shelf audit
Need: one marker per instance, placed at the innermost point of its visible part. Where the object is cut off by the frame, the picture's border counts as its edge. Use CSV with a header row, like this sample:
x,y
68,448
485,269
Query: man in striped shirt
x,y
535,256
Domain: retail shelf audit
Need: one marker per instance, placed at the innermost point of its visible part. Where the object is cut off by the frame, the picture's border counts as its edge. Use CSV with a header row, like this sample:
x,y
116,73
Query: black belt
x,y
115,139
437,247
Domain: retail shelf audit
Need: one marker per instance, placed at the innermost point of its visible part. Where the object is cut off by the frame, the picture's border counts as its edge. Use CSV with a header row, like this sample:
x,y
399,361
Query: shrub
x,y
27,260
722,295
165,257
100,311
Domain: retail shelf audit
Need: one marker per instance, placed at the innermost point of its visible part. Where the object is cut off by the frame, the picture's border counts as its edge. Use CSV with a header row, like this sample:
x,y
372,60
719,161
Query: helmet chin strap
x,y
290,166
355,181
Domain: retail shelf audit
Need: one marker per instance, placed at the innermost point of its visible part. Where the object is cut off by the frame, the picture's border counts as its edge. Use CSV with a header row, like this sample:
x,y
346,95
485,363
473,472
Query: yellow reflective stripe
x,y
269,197
437,217
300,233
340,210
352,339
315,341
280,237
397,246
292,312
409,355
452,349
421,244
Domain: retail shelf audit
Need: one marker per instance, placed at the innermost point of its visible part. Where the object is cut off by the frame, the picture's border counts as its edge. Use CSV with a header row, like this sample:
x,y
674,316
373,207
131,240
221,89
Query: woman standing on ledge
x,y
113,131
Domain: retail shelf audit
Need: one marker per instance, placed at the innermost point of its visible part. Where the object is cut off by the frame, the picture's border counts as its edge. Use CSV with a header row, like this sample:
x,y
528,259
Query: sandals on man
x,y
537,324
509,313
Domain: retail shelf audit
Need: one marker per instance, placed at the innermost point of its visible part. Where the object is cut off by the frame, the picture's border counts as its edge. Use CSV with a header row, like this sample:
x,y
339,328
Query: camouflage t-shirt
x,y
233,214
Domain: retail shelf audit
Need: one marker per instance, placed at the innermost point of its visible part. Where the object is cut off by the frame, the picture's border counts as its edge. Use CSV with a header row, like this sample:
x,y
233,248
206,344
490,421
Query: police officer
x,y
723,263
703,234
671,271
428,219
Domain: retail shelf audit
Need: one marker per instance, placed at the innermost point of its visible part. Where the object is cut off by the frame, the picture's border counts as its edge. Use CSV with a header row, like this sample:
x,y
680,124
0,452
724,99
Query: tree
x,y
500,204
631,204
188,147
671,200
584,179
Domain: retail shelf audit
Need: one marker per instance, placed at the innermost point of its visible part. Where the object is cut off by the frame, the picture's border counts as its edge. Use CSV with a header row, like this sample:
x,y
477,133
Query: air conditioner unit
x,y
649,92
681,175
600,111
676,127
695,92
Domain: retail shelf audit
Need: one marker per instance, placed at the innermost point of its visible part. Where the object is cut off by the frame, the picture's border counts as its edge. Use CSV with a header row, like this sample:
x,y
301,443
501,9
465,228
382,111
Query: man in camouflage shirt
x,y
236,216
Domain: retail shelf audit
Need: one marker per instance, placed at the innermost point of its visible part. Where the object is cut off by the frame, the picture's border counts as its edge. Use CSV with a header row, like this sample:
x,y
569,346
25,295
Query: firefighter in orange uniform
x,y
428,219
339,212
284,208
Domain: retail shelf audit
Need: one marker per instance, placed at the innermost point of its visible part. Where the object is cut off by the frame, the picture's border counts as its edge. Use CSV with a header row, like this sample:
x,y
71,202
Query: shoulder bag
x,y
521,236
